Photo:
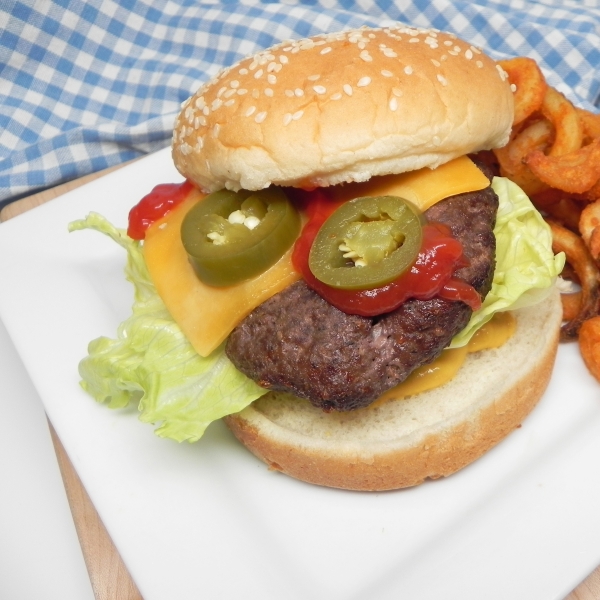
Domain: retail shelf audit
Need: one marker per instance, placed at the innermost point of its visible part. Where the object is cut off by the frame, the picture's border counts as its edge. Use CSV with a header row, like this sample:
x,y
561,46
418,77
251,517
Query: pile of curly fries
x,y
554,156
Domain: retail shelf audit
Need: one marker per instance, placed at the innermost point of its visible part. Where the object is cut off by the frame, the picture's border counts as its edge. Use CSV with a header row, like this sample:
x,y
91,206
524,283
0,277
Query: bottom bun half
x,y
401,443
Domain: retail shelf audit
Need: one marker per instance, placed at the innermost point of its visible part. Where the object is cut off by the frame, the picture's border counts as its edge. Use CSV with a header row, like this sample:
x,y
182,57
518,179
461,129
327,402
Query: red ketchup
x,y
430,276
154,206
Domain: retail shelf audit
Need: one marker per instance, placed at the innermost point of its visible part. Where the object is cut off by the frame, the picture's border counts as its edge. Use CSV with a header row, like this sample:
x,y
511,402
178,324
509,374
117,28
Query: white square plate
x,y
209,520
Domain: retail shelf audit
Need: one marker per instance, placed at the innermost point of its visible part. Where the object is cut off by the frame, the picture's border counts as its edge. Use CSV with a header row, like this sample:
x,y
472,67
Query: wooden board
x,y
109,577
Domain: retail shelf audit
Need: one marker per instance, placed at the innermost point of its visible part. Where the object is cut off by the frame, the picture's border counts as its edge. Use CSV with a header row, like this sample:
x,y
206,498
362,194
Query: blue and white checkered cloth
x,y
89,84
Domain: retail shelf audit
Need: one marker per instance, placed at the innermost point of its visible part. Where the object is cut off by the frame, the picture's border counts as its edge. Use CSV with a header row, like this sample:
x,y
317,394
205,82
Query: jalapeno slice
x,y
366,243
232,236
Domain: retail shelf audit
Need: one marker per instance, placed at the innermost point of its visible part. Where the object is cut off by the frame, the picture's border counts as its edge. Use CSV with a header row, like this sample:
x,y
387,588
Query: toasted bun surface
x,y
403,442
342,107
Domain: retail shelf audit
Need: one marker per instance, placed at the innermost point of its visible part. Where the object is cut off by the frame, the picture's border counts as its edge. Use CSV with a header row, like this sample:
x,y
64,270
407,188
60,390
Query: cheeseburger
x,y
386,303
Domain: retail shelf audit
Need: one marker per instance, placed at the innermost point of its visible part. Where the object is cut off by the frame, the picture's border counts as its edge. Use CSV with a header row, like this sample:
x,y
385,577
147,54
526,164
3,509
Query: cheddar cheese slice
x,y
424,187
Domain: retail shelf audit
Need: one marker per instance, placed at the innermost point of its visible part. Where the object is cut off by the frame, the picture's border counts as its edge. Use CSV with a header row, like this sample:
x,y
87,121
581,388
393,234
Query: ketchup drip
x,y
431,274
155,205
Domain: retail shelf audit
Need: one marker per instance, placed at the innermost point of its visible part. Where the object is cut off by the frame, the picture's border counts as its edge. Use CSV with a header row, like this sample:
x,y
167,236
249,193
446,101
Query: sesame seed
x,y
272,66
468,54
217,102
255,94
242,91
319,89
269,92
287,118
234,83
325,50
216,130
200,104
297,115
221,91
206,111
413,40
230,93
393,104
397,92
336,96
229,102
271,79
386,73
479,64
348,89
243,71
363,81
261,116
435,63
250,111
389,53
441,79
258,74
513,88
284,60
448,43
313,77
408,70
457,49
366,56
298,92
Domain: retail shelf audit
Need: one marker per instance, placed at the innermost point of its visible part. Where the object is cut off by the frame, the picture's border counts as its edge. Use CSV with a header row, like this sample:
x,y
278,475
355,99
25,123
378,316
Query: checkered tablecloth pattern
x,y
89,84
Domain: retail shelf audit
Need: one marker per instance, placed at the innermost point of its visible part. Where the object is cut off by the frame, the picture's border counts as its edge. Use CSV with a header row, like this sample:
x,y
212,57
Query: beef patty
x,y
299,343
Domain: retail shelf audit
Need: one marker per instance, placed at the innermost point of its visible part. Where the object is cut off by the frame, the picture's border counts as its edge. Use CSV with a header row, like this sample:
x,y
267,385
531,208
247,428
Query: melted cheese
x,y
492,335
207,315
424,187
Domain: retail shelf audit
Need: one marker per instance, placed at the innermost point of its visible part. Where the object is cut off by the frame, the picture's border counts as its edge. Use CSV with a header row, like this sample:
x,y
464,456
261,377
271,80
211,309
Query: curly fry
x,y
530,85
564,240
589,227
562,114
589,344
575,172
571,304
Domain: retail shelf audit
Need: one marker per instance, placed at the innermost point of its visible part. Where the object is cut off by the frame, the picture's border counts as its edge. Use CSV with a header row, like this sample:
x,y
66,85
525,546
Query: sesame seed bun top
x,y
342,107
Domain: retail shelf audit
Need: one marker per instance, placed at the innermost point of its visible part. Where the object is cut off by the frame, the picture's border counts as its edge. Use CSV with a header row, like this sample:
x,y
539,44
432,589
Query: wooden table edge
x,y
109,576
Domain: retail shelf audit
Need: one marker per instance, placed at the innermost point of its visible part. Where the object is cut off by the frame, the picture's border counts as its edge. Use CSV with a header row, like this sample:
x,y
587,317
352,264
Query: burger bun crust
x,y
342,107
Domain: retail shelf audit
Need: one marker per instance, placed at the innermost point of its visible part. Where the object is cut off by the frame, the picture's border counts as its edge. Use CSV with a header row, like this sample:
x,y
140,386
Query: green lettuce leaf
x,y
526,267
152,362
